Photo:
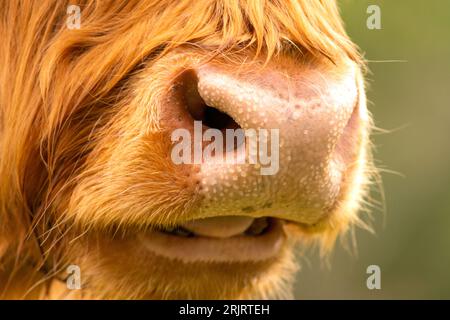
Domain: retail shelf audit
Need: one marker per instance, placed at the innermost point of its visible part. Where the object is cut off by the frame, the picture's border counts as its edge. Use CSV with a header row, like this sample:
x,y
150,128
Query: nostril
x,y
216,119
198,110
210,116
191,97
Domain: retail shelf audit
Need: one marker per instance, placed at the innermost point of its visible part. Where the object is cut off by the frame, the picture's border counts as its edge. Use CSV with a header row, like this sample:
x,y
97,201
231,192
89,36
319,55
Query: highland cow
x,y
86,119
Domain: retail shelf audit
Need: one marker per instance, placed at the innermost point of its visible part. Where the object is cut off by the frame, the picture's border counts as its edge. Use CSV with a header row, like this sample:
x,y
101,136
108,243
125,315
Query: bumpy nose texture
x,y
311,107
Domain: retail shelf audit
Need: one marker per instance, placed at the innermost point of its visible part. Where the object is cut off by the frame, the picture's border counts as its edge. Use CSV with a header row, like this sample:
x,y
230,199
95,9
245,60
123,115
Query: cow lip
x,y
237,248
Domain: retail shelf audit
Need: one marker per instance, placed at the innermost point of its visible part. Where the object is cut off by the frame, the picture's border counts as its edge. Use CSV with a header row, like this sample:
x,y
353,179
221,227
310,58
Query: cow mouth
x,y
218,239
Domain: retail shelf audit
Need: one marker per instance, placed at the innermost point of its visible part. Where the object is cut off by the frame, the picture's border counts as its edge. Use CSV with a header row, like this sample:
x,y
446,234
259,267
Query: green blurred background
x,y
411,99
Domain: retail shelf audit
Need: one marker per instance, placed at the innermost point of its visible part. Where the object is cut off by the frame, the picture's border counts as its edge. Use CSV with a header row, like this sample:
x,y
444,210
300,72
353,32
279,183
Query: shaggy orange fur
x,y
83,154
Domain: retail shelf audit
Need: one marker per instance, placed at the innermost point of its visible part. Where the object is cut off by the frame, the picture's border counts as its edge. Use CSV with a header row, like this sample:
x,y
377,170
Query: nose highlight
x,y
309,109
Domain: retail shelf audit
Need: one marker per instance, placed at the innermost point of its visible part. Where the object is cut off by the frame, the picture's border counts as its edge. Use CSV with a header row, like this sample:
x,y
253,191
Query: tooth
x,y
257,227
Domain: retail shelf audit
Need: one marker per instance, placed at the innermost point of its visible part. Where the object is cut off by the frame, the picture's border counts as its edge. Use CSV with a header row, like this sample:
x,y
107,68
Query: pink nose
x,y
306,119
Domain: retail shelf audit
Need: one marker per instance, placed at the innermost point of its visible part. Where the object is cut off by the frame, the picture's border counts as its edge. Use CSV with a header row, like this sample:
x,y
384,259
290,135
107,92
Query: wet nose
x,y
300,129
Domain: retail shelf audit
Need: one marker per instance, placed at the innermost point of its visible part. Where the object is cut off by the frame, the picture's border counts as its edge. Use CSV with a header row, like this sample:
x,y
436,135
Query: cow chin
x,y
121,269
